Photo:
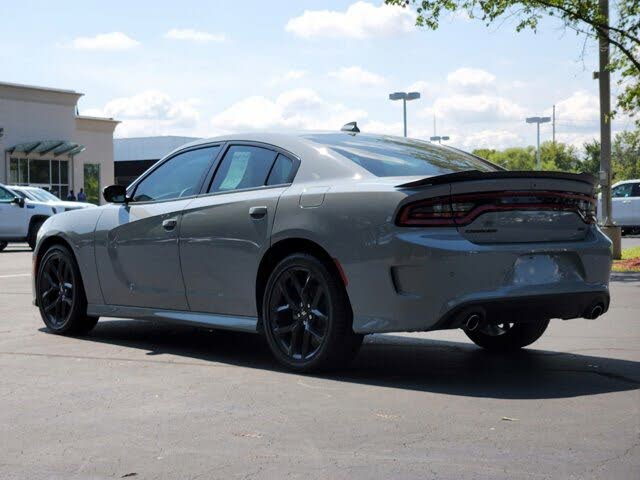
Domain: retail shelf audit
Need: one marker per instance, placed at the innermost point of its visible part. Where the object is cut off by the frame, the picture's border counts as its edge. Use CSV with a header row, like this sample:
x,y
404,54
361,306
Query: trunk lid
x,y
512,207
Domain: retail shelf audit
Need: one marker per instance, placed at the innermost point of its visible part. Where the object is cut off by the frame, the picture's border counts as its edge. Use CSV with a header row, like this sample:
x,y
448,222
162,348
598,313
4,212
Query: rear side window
x,y
636,190
386,156
281,171
178,177
243,166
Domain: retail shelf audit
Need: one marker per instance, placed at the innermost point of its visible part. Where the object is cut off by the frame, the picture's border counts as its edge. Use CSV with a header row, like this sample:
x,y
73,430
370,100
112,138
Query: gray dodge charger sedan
x,y
317,239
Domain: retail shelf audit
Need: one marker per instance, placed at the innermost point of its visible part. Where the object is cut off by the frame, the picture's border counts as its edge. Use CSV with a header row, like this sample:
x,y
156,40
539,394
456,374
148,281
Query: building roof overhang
x,y
44,147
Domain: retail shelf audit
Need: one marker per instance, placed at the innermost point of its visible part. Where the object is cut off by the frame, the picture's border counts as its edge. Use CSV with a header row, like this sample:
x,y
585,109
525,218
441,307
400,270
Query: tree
x,y
582,16
625,158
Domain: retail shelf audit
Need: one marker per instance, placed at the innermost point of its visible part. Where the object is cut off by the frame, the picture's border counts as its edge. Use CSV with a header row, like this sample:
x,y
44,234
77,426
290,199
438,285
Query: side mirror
x,y
18,201
115,194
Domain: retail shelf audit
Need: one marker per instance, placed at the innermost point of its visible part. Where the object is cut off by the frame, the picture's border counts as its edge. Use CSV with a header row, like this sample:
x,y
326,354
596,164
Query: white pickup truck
x,y
20,219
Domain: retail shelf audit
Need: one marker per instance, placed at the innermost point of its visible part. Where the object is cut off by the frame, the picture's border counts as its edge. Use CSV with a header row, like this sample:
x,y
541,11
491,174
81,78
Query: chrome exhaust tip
x,y
473,322
596,311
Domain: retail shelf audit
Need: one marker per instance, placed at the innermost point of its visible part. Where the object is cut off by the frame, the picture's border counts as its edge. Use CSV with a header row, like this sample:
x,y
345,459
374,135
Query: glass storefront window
x,y
48,173
39,172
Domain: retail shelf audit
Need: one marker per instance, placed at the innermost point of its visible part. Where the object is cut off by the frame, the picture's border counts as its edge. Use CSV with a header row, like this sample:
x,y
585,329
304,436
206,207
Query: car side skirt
x,y
226,322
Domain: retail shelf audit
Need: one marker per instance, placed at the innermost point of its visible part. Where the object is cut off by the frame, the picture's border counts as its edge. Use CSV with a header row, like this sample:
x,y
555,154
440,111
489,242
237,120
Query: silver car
x,y
317,239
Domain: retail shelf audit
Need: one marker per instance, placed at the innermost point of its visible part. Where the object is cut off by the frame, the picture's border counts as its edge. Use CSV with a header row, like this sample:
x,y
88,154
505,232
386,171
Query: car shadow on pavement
x,y
394,361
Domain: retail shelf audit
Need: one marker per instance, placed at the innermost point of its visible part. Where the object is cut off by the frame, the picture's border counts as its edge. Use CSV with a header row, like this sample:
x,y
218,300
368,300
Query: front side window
x,y
622,191
178,177
243,166
6,196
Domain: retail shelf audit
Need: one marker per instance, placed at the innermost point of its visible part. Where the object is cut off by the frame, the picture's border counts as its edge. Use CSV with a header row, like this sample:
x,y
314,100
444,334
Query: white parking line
x,y
16,275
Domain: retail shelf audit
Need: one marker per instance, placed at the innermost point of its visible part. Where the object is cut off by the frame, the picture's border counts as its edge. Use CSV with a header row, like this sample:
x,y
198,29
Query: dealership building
x,y
45,142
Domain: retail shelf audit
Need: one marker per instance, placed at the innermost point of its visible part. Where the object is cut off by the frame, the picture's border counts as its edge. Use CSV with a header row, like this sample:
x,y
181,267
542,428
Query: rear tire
x,y
60,293
307,316
32,236
3,245
516,336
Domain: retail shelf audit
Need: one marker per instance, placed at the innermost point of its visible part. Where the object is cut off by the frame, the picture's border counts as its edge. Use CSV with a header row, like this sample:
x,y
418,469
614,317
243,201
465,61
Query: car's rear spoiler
x,y
478,175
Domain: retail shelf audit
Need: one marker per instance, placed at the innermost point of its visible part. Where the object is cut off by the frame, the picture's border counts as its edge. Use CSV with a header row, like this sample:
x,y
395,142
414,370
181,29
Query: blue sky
x,y
203,68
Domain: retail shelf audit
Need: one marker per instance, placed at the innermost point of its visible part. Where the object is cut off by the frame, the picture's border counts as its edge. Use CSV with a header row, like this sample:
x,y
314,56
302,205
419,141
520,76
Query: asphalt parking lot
x,y
138,400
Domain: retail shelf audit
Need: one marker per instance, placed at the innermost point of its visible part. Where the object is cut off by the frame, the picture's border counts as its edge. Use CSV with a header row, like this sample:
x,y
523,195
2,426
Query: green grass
x,y
626,264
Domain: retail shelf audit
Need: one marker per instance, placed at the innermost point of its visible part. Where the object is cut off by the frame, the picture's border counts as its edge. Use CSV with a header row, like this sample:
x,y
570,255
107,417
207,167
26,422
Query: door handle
x,y
169,224
257,212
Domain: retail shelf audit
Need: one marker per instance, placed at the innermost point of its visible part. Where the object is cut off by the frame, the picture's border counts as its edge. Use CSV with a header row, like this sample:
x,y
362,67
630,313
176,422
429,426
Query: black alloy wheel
x,y
60,294
300,311
308,318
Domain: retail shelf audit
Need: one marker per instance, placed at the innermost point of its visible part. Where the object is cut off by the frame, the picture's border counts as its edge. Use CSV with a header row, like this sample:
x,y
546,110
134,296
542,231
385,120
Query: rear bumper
x,y
422,279
529,308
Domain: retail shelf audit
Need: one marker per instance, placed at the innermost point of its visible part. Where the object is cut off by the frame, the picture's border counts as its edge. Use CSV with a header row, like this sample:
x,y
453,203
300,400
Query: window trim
x,y
131,190
267,146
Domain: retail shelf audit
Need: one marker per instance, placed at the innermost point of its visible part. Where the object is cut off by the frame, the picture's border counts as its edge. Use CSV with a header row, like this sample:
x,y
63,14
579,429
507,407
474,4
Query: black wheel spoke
x,y
52,305
285,329
285,293
306,337
317,295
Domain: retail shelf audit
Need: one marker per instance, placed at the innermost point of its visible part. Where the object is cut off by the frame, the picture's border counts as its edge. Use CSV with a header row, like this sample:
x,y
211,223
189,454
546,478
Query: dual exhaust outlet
x,y
477,318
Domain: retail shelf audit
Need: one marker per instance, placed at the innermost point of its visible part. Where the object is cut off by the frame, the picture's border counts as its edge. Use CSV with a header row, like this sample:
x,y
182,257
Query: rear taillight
x,y
464,209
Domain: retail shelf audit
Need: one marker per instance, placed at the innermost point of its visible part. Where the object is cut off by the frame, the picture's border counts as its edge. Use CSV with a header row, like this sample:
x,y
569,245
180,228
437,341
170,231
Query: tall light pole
x,y
604,84
538,121
405,97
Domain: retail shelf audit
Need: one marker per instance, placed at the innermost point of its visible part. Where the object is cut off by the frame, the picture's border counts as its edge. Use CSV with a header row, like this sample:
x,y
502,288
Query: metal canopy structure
x,y
43,147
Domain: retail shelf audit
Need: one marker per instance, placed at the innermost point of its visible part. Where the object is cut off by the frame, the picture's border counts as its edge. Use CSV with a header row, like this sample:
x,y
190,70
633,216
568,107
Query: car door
x,y
137,250
622,205
225,233
13,217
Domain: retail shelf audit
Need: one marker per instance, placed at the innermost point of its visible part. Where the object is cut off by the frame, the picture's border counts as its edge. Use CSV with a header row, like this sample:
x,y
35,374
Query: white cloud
x,y
581,109
290,76
296,109
498,139
360,20
152,113
105,41
192,35
357,76
476,109
470,78
421,86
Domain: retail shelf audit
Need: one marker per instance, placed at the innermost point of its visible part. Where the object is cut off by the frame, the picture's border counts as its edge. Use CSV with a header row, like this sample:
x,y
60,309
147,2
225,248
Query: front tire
x,y
3,245
33,233
60,293
507,336
307,316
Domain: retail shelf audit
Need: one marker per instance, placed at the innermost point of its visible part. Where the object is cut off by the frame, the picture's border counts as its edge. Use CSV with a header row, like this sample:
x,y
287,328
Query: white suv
x,y
20,218
625,205
38,194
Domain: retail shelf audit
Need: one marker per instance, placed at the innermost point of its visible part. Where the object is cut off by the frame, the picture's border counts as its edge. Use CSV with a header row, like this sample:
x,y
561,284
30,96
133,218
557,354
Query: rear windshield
x,y
395,157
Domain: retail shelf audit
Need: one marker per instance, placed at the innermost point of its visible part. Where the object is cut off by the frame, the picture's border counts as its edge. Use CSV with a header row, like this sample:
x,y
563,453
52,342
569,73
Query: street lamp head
x,y
445,138
538,119
397,96
434,139
413,96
